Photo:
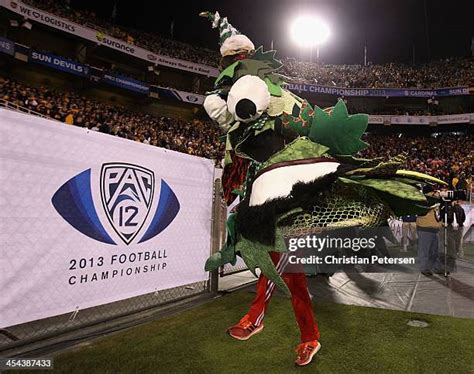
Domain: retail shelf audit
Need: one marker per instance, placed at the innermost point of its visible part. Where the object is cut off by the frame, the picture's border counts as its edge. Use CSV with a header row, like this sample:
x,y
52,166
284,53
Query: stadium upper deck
x,y
171,53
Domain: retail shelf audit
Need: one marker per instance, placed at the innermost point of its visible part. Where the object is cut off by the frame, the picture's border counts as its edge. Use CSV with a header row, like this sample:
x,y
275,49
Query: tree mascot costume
x,y
295,170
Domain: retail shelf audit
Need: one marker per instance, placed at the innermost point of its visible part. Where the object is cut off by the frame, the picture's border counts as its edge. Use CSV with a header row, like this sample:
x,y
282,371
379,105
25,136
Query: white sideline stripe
x,y
268,287
282,262
281,265
270,292
278,269
280,181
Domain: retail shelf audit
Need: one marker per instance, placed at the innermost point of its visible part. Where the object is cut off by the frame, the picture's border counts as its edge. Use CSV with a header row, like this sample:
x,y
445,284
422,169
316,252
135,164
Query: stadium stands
x,y
152,42
196,138
446,156
443,73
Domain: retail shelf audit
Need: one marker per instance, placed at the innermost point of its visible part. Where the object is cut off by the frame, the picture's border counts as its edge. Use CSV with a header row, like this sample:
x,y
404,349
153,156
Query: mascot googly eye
x,y
248,98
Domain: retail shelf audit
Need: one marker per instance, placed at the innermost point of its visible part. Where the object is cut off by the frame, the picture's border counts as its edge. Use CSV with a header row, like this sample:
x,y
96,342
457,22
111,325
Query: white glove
x,y
216,109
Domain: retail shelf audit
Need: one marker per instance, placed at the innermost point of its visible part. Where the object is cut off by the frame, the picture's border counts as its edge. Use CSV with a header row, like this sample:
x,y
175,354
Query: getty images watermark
x,y
374,250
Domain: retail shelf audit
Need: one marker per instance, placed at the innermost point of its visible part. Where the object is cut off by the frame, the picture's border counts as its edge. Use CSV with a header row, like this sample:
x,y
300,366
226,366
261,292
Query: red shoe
x,y
306,351
245,329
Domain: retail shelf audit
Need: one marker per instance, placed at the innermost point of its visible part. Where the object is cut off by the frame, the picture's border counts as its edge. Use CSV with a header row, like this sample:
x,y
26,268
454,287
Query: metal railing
x,y
23,334
18,108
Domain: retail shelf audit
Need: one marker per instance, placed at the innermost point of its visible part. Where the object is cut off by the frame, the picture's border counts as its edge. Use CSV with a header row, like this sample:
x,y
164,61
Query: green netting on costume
x,y
338,208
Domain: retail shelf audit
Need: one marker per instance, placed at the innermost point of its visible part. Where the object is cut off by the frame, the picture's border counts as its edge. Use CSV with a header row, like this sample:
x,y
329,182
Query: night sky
x,y
389,28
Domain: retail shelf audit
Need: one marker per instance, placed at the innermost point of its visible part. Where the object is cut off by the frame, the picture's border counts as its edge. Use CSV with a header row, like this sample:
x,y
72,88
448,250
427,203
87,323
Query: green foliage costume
x,y
304,174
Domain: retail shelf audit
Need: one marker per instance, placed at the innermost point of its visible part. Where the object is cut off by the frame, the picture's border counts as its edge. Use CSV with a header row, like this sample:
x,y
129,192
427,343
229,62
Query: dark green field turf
x,y
354,340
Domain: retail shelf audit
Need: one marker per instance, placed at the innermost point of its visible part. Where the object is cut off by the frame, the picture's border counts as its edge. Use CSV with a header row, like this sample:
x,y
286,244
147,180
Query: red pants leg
x,y
302,306
300,299
265,289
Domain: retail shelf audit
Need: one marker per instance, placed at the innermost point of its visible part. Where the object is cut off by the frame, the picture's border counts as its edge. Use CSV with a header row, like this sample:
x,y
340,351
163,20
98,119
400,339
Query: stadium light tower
x,y
309,31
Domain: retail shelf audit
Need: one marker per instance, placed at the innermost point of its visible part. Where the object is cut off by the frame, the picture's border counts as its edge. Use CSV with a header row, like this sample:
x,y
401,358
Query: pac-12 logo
x,y
127,193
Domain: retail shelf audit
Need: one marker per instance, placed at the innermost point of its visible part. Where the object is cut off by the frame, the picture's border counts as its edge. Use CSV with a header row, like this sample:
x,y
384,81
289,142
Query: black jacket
x,y
457,210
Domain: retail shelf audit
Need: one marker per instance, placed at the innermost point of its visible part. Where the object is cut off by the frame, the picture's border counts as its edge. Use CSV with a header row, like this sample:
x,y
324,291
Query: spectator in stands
x,y
69,118
462,183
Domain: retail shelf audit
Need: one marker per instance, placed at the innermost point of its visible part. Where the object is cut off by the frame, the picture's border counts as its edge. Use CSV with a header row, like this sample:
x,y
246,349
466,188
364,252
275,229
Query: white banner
x,y
379,120
454,118
422,120
87,218
98,37
189,97
468,232
412,120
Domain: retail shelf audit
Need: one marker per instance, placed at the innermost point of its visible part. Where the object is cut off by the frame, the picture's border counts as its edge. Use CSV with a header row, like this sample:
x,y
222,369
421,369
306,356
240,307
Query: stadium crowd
x,y
443,73
446,157
150,41
197,137
436,74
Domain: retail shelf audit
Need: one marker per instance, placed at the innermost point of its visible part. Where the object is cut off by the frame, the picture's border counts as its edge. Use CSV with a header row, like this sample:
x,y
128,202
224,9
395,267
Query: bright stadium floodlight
x,y
310,32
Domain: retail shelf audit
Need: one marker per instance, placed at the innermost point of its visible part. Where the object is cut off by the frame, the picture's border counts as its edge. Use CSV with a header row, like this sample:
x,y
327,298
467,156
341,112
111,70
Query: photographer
x,y
427,228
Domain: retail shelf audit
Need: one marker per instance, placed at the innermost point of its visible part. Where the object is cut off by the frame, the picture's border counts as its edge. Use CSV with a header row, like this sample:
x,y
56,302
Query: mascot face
x,y
245,101
246,90
248,98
